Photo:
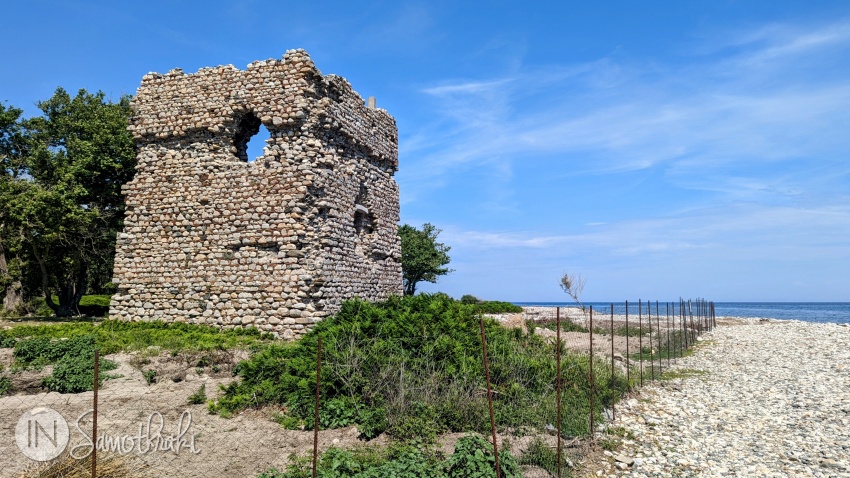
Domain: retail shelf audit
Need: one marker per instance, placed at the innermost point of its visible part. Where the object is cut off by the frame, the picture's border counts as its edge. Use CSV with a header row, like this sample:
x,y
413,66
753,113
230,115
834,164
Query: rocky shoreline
x,y
758,398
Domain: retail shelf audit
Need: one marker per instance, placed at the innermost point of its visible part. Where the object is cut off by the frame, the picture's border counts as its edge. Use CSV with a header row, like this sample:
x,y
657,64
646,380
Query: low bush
x,y
543,456
114,336
150,376
75,373
95,305
412,366
5,385
72,361
6,341
473,458
497,307
39,351
199,397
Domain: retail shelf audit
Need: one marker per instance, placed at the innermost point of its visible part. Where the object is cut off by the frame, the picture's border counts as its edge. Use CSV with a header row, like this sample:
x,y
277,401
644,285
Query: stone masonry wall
x,y
279,242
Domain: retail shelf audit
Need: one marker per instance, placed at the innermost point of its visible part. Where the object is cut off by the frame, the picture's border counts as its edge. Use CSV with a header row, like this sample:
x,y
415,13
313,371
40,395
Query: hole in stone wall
x,y
363,221
250,138
362,194
257,143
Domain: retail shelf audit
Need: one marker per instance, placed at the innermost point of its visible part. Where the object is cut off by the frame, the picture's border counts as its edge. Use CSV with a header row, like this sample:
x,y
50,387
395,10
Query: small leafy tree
x,y
573,285
422,257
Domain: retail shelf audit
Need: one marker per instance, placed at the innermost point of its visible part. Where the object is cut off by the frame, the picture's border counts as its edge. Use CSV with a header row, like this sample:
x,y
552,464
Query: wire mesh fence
x,y
154,412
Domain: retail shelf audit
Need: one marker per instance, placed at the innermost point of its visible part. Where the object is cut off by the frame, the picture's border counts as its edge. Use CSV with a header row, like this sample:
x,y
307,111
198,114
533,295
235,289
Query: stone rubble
x,y
772,400
276,243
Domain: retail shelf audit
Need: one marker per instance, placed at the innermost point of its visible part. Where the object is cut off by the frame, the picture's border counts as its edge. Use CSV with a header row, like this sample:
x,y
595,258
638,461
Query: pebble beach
x,y
758,398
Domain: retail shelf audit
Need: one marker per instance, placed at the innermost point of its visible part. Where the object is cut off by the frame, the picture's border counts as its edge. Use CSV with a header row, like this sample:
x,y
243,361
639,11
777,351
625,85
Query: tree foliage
x,y
422,257
61,193
573,286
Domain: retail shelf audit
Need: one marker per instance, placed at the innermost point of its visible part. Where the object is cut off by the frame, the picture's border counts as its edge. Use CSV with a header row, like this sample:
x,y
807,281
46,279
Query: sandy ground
x,y
244,445
623,347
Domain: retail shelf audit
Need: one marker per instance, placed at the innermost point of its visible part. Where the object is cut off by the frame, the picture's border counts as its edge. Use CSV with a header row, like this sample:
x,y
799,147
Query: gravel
x,y
763,398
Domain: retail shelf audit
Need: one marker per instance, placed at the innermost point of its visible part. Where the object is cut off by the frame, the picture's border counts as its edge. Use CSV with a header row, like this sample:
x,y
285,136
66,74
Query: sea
x,y
834,312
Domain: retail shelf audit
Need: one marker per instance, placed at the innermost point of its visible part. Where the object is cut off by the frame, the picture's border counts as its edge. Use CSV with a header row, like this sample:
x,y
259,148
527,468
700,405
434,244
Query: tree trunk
x,y
13,295
69,290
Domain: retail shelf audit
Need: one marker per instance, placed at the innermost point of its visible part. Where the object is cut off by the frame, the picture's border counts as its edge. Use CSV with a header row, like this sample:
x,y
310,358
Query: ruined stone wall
x,y
279,242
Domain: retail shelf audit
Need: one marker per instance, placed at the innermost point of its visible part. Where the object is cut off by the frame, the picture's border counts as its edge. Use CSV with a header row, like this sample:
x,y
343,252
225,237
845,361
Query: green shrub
x,y
75,373
541,455
497,307
39,351
95,305
5,386
6,341
72,359
288,422
199,397
119,336
469,299
395,461
413,367
275,473
150,376
474,458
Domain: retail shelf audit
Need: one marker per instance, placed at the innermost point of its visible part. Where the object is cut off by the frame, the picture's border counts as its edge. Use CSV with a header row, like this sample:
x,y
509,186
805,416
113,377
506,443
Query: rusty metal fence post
x,y
592,382
640,339
613,386
651,357
489,395
316,411
658,336
558,378
667,316
628,361
94,414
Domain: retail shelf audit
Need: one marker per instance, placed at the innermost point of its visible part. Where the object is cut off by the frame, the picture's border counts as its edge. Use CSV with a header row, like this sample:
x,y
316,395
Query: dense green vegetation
x,y
72,361
497,307
413,367
60,199
473,458
113,336
70,347
490,306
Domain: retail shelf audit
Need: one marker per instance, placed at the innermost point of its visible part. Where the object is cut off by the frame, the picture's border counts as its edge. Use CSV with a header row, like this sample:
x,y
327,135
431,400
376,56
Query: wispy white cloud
x,y
684,116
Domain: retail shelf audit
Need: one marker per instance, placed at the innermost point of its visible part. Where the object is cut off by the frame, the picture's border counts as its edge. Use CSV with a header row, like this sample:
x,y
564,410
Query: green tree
x,y
64,201
11,147
422,257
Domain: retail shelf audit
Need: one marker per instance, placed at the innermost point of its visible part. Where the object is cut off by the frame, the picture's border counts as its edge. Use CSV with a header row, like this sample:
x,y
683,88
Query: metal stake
x,y
94,415
558,361
489,395
316,416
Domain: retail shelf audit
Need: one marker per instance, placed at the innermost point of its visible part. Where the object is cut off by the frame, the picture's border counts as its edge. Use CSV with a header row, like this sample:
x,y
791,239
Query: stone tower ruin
x,y
278,242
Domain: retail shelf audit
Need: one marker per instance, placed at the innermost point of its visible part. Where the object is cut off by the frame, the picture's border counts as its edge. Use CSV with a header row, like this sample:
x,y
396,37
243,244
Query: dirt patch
x,y
128,405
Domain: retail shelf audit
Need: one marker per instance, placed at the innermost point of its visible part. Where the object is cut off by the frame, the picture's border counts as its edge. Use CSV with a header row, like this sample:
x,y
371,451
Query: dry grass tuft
x,y
108,466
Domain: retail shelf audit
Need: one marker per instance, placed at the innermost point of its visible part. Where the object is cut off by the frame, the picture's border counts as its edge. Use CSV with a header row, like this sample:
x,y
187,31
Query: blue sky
x,y
659,149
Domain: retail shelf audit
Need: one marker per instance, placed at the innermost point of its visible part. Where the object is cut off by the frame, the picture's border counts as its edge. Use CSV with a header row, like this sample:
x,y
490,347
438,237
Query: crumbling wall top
x,y
283,94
